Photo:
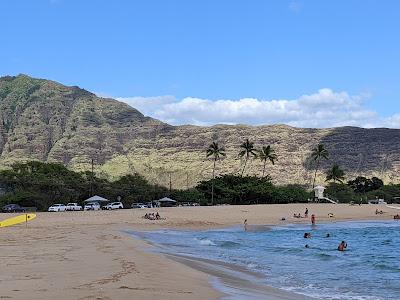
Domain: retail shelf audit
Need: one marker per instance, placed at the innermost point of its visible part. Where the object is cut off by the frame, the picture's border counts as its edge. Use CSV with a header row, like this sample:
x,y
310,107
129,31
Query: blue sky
x,y
186,61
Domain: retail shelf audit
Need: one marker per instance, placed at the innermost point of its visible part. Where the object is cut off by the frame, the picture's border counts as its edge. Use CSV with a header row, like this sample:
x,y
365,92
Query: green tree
x,y
292,193
335,174
247,150
265,154
235,189
43,184
215,152
189,195
363,185
340,192
316,154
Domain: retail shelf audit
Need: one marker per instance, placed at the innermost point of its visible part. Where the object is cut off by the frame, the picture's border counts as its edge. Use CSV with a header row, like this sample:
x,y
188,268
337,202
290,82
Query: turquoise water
x,y
369,269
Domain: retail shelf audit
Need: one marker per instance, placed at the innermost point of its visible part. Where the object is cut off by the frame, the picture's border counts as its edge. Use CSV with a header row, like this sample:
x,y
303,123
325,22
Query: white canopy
x,y
166,199
96,198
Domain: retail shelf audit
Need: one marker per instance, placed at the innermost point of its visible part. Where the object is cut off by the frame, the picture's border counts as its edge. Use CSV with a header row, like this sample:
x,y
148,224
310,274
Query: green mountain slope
x,y
44,120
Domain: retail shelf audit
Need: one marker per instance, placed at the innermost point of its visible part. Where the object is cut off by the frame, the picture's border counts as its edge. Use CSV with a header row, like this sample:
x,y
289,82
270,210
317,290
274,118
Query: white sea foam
x,y
206,242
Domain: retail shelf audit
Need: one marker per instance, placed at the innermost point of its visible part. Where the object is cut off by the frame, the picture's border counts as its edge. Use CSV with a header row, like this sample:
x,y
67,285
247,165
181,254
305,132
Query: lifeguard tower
x,y
319,195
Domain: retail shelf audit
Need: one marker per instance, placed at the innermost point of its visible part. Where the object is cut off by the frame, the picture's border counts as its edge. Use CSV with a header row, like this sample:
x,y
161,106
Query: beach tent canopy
x,y
166,202
166,199
96,198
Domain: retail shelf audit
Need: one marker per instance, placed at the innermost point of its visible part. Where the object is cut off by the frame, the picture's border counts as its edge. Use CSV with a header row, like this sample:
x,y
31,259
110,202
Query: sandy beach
x,y
87,255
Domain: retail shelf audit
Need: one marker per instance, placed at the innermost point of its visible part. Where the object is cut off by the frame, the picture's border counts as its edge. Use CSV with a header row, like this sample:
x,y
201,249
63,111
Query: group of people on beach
x,y
300,216
152,216
305,216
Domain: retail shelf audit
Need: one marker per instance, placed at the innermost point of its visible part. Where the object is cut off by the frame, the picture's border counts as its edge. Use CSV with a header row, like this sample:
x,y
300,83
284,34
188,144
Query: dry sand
x,y
86,255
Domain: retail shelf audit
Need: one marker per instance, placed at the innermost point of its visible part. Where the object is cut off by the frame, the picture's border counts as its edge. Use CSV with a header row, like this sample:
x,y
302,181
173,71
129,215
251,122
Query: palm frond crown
x,y
267,153
247,149
215,151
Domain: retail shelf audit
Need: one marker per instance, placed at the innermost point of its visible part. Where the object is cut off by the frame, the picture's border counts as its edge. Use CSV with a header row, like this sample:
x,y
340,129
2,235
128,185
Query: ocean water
x,y
369,269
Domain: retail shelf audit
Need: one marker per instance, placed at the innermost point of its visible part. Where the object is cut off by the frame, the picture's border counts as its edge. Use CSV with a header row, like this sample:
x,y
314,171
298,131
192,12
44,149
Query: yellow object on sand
x,y
17,220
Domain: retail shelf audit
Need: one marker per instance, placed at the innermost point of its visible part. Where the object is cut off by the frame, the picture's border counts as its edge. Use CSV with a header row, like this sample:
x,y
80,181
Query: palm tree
x,y
335,174
216,152
318,153
265,154
248,149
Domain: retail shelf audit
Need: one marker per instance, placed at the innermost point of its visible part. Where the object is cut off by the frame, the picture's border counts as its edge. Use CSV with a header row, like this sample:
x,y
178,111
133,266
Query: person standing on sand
x,y
313,219
245,225
306,213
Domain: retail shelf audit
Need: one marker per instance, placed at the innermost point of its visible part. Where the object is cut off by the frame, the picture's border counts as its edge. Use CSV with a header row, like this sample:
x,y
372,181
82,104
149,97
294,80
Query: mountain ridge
x,y
44,120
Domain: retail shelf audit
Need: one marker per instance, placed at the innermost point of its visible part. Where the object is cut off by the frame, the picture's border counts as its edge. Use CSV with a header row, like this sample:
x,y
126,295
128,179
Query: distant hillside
x,y
44,120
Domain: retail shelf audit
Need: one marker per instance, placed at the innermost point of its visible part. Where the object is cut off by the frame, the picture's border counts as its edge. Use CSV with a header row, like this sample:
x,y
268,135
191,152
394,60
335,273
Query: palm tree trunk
x,y
265,162
244,167
315,175
212,184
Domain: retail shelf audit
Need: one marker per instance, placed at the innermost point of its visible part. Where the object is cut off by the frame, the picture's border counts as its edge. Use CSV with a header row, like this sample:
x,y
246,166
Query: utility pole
x,y
170,182
91,180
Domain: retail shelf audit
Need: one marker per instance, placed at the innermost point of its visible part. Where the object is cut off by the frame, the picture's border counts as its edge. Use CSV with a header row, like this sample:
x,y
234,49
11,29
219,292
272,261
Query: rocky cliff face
x,y
44,120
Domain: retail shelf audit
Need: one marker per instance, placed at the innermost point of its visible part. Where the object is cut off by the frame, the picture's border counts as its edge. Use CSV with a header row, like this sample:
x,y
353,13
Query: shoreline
x,y
85,255
233,280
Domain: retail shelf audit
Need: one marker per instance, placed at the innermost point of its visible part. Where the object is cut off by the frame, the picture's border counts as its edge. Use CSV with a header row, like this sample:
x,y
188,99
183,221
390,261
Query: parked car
x,y
11,208
57,207
92,206
377,201
114,205
73,207
138,205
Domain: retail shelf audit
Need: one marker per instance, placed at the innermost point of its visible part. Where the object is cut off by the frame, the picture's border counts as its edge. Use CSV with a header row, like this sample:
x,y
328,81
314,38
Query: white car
x,y
92,206
57,207
138,205
73,207
114,205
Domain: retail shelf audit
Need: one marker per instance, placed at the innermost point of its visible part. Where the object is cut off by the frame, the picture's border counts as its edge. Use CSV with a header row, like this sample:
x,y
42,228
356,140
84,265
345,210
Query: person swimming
x,y
342,246
307,235
328,235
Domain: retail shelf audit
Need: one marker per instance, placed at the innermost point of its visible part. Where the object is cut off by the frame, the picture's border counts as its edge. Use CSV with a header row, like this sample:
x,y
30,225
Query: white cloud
x,y
324,108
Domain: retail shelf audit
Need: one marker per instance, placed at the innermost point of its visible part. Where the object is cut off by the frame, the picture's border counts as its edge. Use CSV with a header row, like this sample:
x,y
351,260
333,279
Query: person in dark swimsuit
x,y
342,246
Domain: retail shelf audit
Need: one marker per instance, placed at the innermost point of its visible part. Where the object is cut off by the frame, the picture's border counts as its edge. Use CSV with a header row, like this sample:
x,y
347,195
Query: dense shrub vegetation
x,y
42,184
